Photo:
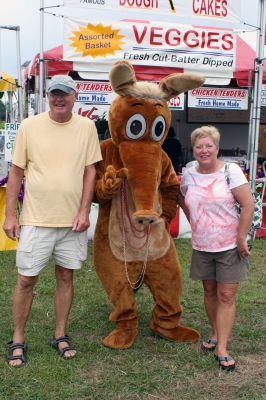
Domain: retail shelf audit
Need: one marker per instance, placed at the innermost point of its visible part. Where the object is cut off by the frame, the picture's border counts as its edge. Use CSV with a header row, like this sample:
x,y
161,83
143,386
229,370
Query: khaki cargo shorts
x,y
37,244
222,266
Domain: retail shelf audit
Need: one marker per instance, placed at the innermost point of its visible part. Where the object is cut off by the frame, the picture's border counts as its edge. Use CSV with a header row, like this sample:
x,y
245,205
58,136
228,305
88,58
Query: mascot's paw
x,y
178,334
112,179
120,338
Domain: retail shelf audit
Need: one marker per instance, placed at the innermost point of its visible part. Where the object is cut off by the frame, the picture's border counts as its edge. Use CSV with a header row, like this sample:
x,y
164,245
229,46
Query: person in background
x,y
173,149
106,133
219,238
2,143
57,150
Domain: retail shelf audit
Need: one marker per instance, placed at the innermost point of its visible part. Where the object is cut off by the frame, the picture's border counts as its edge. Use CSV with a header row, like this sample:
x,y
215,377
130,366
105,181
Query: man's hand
x,y
81,222
11,227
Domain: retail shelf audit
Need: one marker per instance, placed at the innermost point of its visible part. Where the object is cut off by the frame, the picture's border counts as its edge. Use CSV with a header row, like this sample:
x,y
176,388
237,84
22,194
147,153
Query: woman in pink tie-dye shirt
x,y
219,236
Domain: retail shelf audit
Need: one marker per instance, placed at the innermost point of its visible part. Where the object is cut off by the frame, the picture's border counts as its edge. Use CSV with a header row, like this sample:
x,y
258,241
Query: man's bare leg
x,y
22,301
63,301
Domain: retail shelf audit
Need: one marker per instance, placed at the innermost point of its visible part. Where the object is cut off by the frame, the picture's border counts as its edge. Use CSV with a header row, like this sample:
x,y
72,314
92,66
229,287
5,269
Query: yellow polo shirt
x,y
54,156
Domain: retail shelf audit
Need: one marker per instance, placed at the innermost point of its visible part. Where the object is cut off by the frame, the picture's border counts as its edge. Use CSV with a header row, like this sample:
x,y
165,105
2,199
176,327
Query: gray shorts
x,y
37,244
223,266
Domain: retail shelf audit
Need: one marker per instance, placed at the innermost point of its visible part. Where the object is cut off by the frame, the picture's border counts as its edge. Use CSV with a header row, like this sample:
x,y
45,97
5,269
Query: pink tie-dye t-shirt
x,y
213,216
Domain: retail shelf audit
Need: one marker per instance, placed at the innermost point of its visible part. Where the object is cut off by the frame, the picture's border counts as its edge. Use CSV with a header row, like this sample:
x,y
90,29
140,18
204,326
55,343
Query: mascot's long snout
x,y
143,161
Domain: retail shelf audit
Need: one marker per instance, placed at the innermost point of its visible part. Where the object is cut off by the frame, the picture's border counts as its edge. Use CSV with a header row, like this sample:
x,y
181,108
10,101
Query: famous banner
x,y
210,51
223,10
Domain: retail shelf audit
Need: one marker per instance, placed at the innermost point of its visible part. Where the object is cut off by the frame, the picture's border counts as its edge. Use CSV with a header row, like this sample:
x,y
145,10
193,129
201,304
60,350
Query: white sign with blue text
x,y
224,98
263,95
10,135
96,93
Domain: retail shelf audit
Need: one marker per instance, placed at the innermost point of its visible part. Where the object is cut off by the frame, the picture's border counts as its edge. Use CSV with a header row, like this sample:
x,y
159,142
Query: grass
x,y
153,368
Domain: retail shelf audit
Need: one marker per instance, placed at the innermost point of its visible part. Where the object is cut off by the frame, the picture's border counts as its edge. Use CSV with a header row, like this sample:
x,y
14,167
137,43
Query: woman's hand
x,y
182,204
242,247
244,197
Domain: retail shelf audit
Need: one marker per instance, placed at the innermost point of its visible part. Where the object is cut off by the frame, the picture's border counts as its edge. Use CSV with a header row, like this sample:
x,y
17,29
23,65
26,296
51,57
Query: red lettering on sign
x,y
155,35
212,8
175,101
139,3
228,41
89,87
140,38
88,113
237,93
213,38
191,38
172,37
205,39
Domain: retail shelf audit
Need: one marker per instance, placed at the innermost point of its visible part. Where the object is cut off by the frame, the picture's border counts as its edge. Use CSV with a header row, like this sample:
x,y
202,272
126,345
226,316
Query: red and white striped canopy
x,y
53,64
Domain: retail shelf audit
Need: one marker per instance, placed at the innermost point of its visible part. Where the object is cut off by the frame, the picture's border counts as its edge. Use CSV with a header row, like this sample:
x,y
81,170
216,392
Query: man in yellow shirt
x,y
56,151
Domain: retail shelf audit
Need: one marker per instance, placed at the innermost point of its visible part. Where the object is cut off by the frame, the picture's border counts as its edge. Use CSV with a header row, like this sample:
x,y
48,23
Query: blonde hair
x,y
206,131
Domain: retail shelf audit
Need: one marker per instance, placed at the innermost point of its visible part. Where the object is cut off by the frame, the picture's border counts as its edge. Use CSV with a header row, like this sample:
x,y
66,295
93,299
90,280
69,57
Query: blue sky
x,y
25,13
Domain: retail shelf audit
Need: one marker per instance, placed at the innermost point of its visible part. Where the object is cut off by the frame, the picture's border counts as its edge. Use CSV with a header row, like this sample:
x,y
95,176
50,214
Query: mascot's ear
x,y
122,75
174,84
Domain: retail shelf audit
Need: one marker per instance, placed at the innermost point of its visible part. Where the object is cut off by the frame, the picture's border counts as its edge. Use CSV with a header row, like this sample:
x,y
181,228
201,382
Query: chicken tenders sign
x,y
210,51
226,10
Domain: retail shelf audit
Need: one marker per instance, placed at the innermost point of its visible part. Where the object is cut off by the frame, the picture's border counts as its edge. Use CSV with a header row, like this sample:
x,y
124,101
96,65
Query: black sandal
x,y
22,357
212,342
222,359
55,344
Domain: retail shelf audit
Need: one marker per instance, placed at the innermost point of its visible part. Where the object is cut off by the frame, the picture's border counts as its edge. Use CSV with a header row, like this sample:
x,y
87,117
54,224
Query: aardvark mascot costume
x,y
136,188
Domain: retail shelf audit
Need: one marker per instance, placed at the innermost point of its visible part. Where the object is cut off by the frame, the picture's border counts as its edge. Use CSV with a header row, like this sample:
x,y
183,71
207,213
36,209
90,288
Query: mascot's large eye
x,y
136,126
158,128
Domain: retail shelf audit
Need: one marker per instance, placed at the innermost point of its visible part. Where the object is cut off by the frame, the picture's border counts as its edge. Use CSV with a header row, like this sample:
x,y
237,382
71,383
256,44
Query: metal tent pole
x,y
0,55
251,92
41,83
19,79
20,95
257,96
